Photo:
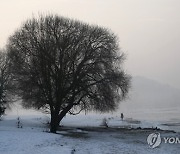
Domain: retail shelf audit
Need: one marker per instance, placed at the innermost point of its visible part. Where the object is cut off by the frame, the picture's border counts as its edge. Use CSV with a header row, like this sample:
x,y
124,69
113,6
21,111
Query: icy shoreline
x,y
75,136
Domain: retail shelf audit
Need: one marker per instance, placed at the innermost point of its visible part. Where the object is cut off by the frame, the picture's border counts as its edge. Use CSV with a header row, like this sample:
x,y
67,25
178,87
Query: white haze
x,y
150,100
148,30
149,35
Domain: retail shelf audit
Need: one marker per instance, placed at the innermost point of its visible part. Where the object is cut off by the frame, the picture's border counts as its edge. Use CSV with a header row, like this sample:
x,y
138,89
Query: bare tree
x,y
67,66
4,81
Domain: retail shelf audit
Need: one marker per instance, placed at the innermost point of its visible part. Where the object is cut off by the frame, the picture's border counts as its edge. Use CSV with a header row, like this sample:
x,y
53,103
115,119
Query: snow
x,y
80,134
31,138
22,142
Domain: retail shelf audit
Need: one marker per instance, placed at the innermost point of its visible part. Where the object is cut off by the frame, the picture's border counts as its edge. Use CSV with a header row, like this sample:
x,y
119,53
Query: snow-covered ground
x,y
80,134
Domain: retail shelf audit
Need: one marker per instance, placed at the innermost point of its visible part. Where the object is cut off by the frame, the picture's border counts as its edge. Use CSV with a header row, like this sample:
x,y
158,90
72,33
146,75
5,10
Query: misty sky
x,y
148,30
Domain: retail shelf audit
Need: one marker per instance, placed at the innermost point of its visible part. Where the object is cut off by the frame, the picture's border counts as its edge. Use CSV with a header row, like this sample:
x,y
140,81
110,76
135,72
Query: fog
x,y
150,100
148,31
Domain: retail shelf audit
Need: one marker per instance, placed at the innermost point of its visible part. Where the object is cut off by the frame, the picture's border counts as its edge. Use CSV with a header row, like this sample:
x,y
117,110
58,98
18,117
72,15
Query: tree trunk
x,y
54,123
53,128
56,119
64,112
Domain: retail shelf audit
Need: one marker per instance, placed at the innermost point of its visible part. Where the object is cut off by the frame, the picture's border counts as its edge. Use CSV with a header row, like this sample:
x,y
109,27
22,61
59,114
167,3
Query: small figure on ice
x,y
122,116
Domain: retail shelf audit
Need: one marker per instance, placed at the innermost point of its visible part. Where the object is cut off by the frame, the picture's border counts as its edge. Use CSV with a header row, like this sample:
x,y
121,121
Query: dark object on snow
x,y
73,151
122,116
19,124
105,123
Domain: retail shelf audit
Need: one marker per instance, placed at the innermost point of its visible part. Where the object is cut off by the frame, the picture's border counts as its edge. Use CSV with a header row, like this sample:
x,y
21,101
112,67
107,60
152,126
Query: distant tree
x,y
67,66
4,81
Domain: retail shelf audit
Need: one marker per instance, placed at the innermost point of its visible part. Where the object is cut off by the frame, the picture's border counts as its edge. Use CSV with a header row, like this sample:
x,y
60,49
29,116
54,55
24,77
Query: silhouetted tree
x,y
4,81
65,66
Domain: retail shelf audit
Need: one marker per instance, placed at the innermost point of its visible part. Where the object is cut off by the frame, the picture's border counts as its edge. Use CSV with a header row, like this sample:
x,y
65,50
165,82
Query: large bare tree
x,y
67,66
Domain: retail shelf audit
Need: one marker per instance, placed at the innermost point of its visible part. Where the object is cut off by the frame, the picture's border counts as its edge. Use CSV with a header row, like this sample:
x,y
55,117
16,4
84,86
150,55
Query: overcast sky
x,y
148,30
